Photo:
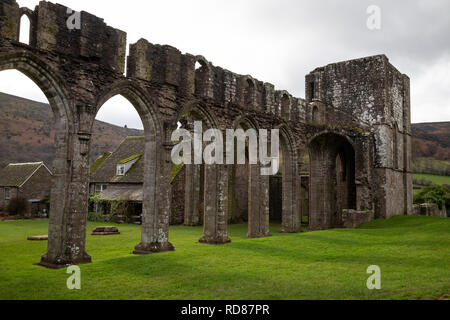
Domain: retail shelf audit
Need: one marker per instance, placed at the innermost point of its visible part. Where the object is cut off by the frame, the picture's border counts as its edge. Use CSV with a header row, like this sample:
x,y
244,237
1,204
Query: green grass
x,y
435,179
413,253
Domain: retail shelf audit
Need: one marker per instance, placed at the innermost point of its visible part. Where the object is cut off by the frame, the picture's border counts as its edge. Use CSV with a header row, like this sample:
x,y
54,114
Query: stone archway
x,y
215,186
155,212
291,212
50,84
248,185
332,179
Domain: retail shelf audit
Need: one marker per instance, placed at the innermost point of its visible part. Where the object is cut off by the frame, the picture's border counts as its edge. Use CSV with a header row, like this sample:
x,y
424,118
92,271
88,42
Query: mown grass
x,y
413,253
435,179
441,180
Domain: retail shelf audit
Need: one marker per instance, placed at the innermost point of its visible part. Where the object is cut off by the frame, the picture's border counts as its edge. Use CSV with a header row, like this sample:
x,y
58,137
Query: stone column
x,y
291,214
192,195
321,197
157,200
216,205
69,206
258,204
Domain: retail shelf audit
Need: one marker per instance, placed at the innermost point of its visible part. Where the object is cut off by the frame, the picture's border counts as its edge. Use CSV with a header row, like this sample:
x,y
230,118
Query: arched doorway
x,y
206,185
156,190
117,163
248,189
332,180
57,96
291,211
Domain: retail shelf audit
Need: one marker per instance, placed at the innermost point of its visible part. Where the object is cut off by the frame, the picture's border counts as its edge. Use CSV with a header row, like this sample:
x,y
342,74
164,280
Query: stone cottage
x,y
120,176
30,181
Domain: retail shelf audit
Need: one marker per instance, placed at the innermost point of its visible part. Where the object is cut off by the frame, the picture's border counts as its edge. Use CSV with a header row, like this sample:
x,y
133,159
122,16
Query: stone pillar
x,y
291,218
69,206
258,204
291,215
216,205
321,190
192,195
157,200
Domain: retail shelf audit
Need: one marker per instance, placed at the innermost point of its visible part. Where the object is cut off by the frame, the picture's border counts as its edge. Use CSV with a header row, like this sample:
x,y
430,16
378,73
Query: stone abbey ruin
x,y
353,125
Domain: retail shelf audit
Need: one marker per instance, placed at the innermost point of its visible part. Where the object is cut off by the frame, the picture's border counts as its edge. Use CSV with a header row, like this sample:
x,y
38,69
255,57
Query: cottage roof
x,y
106,166
123,192
16,174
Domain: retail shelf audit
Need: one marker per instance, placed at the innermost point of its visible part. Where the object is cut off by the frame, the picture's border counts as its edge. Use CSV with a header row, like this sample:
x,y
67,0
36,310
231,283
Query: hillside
x,y
26,133
431,140
431,148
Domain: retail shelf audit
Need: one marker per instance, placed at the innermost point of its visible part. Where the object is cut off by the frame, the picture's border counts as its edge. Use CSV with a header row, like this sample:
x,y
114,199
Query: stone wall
x,y
355,219
377,97
177,206
276,198
363,104
429,210
3,202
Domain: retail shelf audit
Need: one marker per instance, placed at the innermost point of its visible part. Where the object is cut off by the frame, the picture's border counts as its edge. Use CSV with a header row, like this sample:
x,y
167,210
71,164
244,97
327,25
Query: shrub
x,y
104,206
436,194
109,210
18,206
422,182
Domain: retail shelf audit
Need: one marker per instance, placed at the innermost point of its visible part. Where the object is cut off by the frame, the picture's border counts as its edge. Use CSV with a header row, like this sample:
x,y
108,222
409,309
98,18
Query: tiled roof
x,y
123,192
129,148
15,174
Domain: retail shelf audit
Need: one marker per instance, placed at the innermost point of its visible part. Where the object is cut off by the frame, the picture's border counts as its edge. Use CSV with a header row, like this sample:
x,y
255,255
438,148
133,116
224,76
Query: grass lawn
x,y
412,252
435,179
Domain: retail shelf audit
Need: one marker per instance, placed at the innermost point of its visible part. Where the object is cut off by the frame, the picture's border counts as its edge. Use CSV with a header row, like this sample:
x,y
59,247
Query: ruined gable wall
x,y
38,186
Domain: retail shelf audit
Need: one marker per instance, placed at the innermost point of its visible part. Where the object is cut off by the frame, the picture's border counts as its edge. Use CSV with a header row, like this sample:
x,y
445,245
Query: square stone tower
x,y
377,96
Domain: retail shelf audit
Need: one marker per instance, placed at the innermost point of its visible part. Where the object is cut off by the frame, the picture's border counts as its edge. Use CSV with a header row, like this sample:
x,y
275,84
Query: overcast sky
x,y
282,41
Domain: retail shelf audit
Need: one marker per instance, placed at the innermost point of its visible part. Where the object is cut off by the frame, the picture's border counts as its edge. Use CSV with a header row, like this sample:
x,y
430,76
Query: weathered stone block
x,y
38,238
355,219
105,231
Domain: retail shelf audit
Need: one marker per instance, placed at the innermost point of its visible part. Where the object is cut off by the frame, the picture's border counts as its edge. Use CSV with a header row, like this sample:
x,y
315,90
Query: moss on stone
x,y
175,171
97,163
133,157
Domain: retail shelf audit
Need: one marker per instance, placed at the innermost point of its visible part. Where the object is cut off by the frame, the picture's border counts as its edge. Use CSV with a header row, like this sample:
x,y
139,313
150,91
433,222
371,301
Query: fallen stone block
x,y
105,231
429,210
38,238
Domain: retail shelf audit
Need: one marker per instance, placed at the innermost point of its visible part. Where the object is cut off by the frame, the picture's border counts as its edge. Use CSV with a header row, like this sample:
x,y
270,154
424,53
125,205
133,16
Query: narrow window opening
x,y
25,26
285,104
198,65
249,92
312,90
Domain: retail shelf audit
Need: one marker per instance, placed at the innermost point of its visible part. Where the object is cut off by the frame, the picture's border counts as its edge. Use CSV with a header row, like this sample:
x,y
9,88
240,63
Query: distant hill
x,y
431,140
26,133
431,148
26,136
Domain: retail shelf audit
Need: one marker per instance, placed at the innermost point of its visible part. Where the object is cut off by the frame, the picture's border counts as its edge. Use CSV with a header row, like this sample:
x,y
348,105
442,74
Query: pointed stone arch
x,y
215,185
256,185
291,212
60,102
332,179
155,212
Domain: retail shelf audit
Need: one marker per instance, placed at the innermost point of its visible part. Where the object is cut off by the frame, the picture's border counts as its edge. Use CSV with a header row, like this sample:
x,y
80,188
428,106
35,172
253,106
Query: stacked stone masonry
x,y
354,123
